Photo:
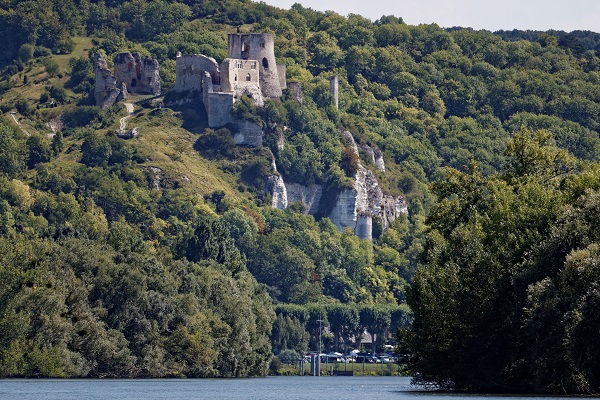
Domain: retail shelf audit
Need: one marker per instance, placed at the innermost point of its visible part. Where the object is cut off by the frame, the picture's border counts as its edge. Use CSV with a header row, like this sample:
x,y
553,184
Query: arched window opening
x,y
265,63
248,77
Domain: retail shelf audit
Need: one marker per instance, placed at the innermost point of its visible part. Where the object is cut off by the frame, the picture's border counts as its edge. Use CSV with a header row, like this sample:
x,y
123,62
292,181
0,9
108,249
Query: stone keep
x,y
249,70
259,47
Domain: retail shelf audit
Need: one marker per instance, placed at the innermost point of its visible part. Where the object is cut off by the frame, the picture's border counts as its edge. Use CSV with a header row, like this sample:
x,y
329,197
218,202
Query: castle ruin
x,y
249,70
133,74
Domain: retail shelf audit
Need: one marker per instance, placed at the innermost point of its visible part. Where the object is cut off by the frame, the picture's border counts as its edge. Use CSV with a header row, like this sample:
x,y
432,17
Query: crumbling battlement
x,y
106,91
140,75
132,75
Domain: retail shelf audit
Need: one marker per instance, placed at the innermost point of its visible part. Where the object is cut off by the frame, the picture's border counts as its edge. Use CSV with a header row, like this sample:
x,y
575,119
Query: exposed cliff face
x,y
276,187
310,196
375,156
354,207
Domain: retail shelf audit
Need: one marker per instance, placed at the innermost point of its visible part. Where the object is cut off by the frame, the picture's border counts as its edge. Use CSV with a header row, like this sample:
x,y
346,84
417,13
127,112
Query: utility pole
x,y
318,369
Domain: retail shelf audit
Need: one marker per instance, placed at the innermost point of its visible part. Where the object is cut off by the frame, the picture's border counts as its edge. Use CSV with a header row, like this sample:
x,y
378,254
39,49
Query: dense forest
x,y
161,255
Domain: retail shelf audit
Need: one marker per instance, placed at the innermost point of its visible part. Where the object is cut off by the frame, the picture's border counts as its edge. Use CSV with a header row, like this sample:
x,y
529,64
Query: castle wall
x,y
139,75
260,47
334,89
295,91
106,91
281,69
190,71
217,104
241,77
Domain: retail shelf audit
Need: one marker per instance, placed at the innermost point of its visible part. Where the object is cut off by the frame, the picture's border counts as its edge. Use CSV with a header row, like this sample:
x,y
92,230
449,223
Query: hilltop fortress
x,y
250,69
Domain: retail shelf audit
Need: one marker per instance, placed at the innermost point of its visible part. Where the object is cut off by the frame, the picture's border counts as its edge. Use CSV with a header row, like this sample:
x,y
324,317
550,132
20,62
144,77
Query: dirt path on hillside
x,y
123,121
19,124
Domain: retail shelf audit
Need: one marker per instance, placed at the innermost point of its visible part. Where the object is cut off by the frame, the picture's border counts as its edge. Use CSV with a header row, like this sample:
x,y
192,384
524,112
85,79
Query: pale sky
x,y
566,15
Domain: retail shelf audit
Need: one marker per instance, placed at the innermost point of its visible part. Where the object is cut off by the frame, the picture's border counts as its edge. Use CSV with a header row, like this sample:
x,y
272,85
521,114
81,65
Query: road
x,y
123,121
12,114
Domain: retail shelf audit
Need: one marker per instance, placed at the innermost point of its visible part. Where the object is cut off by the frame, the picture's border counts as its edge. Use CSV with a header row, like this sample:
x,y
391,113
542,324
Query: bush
x,y
26,52
83,116
51,66
215,143
288,356
24,108
274,366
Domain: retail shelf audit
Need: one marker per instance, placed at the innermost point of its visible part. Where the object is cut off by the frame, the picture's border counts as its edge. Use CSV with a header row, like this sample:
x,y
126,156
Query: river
x,y
272,388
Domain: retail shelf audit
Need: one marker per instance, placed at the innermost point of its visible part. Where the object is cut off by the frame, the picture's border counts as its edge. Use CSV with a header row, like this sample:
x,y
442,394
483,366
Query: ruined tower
x,y
140,75
259,47
334,90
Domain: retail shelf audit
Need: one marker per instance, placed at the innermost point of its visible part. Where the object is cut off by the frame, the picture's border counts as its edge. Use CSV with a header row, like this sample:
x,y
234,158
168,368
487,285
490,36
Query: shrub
x,y
83,116
24,108
26,52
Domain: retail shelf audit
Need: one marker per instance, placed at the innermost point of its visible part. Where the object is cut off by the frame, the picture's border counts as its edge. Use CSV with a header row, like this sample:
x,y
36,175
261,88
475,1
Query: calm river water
x,y
273,388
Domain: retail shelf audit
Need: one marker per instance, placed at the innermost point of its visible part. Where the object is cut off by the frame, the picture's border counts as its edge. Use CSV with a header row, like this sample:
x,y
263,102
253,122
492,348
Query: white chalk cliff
x,y
354,207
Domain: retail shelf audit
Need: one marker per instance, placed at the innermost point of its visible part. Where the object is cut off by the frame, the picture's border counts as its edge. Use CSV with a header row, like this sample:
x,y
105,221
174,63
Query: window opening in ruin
x,y
133,82
253,65
245,50
265,63
262,44
235,77
248,77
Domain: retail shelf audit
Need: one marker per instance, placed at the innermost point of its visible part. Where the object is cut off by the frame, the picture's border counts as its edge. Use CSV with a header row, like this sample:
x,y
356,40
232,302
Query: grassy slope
x,y
163,139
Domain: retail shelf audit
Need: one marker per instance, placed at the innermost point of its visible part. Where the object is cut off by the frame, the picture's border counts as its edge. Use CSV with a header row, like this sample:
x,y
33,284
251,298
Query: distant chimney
x,y
334,89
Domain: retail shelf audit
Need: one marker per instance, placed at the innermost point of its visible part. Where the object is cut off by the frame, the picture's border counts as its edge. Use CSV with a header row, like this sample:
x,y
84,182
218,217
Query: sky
x,y
566,15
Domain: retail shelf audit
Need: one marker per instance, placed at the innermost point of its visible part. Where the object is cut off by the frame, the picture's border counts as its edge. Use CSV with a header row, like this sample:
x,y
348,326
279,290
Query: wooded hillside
x,y
161,256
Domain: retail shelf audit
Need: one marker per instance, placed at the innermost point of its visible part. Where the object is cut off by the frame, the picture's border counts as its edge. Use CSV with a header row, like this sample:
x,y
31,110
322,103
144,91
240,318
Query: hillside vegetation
x,y
161,256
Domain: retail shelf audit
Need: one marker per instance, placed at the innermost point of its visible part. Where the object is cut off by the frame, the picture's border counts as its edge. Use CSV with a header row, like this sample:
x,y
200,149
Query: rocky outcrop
x,y
391,208
375,156
353,207
276,187
310,196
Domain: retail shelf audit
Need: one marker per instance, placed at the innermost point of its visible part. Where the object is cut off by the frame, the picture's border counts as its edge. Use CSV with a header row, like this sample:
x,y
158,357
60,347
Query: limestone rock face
x,y
375,156
378,156
355,208
391,208
295,91
248,133
310,196
276,187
